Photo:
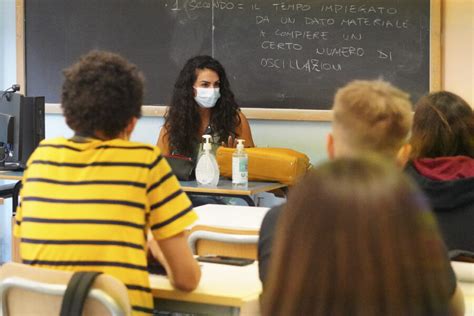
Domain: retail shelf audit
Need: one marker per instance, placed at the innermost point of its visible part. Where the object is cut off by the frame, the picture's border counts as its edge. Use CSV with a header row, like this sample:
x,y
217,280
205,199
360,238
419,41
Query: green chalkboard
x,y
278,54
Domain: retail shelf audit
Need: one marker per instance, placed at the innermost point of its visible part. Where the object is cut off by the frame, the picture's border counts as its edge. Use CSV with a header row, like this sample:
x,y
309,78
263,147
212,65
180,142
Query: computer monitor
x,y
21,128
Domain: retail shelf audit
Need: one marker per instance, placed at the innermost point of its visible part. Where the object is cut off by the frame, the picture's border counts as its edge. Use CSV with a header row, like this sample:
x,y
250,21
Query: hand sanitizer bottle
x,y
207,169
240,165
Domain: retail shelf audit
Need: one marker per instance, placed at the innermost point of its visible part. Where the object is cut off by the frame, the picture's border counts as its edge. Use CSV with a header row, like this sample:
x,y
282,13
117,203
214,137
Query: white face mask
x,y
207,97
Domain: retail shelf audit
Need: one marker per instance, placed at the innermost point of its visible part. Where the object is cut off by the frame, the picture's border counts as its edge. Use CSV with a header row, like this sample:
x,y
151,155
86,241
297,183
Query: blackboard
x,y
278,54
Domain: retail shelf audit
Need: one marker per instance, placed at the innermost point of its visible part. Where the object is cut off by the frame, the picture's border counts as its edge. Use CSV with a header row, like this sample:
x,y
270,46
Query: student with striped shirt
x,y
88,201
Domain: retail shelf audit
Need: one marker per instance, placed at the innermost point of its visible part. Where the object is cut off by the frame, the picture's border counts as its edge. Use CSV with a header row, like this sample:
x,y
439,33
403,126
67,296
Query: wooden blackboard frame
x,y
250,113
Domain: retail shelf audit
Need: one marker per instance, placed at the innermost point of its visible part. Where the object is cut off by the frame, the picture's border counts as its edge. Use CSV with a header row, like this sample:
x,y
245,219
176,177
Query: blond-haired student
x,y
369,116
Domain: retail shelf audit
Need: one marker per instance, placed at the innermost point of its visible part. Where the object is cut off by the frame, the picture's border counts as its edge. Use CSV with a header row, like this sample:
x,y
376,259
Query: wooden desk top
x,y
220,285
225,187
11,175
231,216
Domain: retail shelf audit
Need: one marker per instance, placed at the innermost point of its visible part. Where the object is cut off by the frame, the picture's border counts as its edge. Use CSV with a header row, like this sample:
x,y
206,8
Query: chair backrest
x,y
6,190
207,240
465,276
43,290
464,271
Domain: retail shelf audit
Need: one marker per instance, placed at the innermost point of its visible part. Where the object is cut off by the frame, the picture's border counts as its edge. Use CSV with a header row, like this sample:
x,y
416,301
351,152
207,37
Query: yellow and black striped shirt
x,y
86,204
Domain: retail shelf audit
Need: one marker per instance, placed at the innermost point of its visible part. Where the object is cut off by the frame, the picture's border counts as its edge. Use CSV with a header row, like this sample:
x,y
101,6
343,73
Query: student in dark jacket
x,y
443,164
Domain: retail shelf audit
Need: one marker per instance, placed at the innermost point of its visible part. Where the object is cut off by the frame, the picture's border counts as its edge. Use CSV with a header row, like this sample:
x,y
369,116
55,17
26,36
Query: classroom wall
x,y
458,48
308,137
7,44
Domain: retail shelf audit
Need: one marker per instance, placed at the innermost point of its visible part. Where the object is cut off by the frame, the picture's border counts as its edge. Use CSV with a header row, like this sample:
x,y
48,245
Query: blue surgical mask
x,y
207,97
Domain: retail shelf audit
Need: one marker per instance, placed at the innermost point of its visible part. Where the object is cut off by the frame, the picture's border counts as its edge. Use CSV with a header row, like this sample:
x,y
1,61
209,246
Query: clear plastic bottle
x,y
240,165
207,169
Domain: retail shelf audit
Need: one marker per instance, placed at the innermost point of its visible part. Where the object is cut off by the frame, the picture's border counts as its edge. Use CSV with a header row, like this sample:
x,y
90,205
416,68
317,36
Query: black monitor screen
x,y
21,128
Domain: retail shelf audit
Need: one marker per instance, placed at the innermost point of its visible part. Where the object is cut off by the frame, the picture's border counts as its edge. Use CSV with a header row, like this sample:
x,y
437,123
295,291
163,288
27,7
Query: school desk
x,y
225,188
6,226
11,175
231,220
10,180
223,290
231,216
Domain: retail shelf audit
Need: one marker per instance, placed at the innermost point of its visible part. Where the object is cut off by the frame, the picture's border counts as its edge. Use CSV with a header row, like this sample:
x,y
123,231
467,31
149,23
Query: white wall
x,y
7,44
458,48
308,137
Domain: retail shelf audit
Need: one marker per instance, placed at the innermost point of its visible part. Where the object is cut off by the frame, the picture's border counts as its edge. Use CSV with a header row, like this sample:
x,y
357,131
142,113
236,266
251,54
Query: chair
x,y
16,193
465,276
207,240
11,190
6,190
43,290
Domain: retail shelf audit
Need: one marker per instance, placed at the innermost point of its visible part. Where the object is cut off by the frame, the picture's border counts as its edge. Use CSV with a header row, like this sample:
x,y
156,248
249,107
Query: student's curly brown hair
x,y
183,120
101,92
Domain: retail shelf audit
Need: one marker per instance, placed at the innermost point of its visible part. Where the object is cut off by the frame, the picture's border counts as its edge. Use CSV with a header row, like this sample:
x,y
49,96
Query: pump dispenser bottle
x,y
240,165
207,169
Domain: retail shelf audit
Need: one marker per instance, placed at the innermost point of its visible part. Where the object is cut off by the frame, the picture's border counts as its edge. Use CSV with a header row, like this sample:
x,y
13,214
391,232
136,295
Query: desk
x,y
5,231
230,217
11,175
227,219
225,188
223,290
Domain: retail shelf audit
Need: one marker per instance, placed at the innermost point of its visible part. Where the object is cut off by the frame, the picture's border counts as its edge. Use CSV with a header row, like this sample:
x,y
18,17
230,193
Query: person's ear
x,y
403,155
330,146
